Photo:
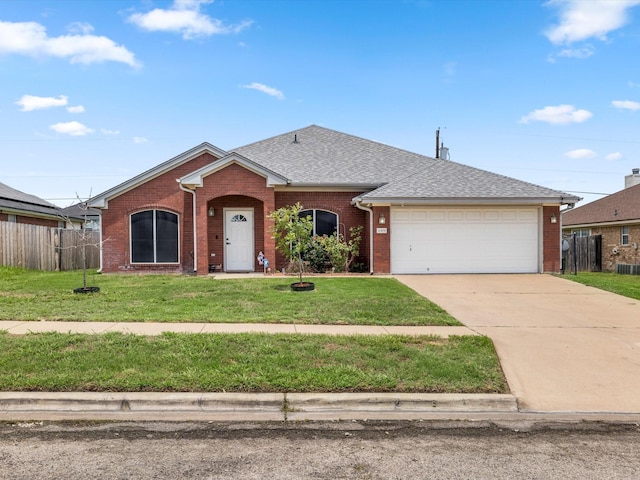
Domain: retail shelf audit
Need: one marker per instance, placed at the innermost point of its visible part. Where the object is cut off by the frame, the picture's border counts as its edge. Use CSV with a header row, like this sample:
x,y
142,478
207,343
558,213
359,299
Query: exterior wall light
x,y
554,219
382,219
212,212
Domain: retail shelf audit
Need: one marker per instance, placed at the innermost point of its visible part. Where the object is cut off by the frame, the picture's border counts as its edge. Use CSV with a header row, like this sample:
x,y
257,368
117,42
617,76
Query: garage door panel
x,y
464,240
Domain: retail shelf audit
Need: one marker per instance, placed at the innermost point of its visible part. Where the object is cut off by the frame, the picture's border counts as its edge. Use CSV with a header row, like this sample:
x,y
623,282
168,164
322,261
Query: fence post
x,y
575,254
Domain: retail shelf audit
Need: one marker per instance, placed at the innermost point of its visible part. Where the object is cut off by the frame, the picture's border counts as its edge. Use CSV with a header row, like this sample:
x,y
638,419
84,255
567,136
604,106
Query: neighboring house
x,y
617,218
208,206
20,207
81,216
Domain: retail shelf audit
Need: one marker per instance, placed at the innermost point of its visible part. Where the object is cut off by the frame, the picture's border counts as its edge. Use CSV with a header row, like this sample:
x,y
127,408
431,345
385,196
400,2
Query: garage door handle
x,y
228,243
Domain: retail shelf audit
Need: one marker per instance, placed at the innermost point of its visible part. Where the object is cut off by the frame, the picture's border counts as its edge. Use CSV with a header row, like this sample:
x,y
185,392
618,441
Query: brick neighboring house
x,y
617,218
208,206
20,207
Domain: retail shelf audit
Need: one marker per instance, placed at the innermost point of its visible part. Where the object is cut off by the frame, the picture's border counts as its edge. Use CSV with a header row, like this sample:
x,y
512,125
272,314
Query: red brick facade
x,y
162,193
43,222
551,237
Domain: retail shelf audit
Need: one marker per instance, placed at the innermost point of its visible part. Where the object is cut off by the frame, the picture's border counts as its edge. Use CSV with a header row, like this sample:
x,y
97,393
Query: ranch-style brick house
x,y
616,218
208,208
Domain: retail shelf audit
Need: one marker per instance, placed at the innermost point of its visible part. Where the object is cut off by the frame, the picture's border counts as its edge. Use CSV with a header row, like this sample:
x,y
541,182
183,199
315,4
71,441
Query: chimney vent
x,y
633,179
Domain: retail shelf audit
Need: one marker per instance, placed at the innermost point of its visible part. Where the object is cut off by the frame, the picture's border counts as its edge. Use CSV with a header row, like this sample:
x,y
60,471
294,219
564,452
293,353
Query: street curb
x,y
231,406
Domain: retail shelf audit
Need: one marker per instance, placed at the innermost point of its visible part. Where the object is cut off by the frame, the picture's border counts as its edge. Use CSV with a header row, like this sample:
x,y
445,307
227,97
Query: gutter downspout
x,y
358,204
100,243
195,238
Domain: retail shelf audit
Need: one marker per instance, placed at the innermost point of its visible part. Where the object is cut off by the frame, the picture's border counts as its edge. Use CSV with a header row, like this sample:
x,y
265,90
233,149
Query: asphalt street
x,y
331,450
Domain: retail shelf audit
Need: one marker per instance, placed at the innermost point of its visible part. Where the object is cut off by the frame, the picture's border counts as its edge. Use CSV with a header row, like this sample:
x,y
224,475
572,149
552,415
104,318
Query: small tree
x,y
292,233
87,239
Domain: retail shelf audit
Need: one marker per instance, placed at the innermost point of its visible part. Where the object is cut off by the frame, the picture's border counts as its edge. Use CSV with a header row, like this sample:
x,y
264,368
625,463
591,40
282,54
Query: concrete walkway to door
x,y
563,346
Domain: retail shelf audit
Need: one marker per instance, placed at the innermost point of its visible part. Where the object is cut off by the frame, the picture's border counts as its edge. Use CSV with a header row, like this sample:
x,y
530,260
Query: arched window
x,y
324,222
154,237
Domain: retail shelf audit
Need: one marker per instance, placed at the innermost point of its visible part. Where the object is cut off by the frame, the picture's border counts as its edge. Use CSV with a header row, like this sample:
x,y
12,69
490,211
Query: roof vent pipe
x,y
295,138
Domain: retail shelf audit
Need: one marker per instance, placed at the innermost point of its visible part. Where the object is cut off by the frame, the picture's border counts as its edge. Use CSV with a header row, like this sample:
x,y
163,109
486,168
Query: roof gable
x,y
195,179
101,201
617,207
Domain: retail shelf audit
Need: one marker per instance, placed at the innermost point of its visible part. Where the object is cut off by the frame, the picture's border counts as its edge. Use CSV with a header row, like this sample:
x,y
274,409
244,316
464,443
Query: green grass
x,y
248,363
627,285
35,295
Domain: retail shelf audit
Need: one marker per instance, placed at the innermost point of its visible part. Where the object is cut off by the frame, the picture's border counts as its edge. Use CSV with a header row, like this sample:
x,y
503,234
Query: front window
x,y
154,237
582,232
624,235
324,223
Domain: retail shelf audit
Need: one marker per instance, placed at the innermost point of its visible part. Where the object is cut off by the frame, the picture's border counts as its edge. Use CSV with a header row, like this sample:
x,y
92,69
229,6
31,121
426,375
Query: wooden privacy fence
x,y
585,252
46,248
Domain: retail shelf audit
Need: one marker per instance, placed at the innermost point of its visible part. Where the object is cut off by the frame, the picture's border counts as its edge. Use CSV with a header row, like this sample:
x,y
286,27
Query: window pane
x,y
306,213
326,223
166,237
142,237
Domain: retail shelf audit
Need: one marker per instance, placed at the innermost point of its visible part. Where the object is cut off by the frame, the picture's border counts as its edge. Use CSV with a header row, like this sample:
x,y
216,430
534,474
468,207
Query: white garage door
x,y
464,240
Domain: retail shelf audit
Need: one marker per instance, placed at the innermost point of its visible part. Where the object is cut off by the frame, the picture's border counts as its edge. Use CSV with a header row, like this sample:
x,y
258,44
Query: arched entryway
x,y
235,233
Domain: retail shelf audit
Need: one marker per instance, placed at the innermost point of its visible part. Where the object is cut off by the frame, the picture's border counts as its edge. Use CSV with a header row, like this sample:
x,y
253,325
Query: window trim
x,y
155,247
314,210
624,235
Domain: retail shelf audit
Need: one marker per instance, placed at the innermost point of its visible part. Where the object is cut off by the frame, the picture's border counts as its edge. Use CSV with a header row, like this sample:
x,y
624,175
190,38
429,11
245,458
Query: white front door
x,y
238,234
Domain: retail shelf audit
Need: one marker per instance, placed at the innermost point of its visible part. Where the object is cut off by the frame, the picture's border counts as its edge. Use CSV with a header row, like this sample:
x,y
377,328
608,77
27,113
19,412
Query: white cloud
x,y
80,28
106,131
626,104
581,153
30,38
75,129
584,52
76,109
265,89
31,102
185,17
140,140
580,20
557,115
612,157
633,84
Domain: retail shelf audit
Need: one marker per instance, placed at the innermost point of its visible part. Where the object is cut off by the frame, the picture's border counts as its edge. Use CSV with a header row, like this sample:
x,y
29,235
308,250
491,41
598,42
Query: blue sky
x,y
95,92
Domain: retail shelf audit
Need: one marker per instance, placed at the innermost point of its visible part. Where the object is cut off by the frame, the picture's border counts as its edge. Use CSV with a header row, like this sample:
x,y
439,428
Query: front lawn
x,y
627,285
248,363
35,295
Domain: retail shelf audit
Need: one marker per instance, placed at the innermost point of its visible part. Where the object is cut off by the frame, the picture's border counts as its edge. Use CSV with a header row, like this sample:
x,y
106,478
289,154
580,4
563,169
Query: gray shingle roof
x,y
618,207
318,156
445,179
321,156
13,199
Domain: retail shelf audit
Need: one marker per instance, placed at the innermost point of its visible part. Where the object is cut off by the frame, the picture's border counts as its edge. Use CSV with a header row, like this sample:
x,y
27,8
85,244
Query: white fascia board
x,y
31,214
386,201
102,200
332,187
196,178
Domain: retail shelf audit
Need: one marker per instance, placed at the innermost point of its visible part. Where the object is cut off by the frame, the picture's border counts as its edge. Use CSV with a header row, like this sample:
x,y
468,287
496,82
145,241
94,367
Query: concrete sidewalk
x,y
563,346
157,328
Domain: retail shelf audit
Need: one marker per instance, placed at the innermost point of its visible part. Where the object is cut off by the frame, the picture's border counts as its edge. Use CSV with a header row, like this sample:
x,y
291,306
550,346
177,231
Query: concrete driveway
x,y
563,346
